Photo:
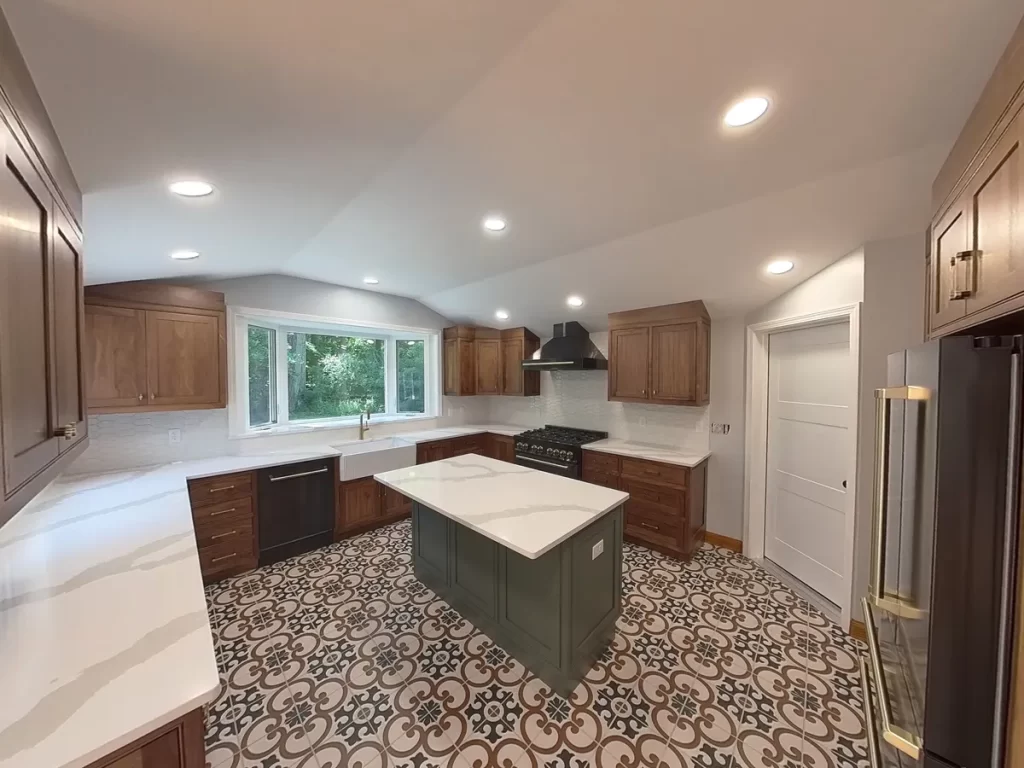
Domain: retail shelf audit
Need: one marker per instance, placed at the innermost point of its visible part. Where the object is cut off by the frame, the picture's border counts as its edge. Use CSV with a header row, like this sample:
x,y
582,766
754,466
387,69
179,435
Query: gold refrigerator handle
x,y
880,506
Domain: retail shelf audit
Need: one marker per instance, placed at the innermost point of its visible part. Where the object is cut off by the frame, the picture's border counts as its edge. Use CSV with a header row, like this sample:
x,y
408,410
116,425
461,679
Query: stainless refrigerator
x,y
940,609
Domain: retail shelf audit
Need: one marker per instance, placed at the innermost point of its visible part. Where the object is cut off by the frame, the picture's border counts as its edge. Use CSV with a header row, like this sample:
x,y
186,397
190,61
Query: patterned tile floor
x,y
340,658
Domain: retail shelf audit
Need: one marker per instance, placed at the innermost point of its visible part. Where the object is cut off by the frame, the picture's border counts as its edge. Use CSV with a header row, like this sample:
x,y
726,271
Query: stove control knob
x,y
566,455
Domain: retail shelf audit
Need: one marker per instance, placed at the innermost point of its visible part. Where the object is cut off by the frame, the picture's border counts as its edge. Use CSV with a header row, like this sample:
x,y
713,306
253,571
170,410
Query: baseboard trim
x,y
726,542
858,630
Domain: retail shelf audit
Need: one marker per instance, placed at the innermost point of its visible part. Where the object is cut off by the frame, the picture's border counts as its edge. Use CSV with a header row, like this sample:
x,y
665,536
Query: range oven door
x,y
554,466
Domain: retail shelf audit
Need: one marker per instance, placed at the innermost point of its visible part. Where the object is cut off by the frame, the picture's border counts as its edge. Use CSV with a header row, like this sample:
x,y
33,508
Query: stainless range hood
x,y
570,349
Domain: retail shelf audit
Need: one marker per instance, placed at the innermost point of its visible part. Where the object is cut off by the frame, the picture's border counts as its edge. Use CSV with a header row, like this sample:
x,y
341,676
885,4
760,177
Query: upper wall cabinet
x,y
151,347
660,355
486,361
976,243
42,403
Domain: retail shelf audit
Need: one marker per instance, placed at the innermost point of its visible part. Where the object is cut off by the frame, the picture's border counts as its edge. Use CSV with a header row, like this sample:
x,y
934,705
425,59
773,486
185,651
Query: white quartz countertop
x,y
650,451
446,433
524,509
104,634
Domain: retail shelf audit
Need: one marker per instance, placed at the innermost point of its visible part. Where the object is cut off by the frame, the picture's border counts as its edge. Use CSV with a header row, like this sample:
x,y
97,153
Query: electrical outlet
x,y
720,429
596,550
173,436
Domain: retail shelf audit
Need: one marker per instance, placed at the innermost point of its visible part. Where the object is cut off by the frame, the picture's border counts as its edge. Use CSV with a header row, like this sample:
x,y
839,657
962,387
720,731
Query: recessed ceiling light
x,y
495,224
192,188
746,111
574,301
780,267
185,255
501,314
371,280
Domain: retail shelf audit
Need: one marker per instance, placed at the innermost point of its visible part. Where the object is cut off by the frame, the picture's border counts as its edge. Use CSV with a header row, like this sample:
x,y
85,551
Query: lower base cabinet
x,y
224,518
177,745
365,504
666,506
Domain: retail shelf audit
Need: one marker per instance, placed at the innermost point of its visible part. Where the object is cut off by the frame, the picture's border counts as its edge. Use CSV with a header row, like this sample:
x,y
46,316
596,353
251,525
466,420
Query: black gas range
x,y
558,450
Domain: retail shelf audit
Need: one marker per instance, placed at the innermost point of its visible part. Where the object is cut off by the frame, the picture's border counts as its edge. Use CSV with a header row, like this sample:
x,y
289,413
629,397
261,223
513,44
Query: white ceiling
x,y
353,138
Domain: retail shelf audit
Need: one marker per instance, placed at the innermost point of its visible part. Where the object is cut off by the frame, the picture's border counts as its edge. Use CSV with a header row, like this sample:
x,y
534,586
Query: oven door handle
x,y
896,605
541,461
906,742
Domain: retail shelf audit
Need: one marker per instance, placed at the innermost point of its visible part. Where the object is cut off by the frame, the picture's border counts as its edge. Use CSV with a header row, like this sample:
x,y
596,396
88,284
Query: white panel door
x,y
811,383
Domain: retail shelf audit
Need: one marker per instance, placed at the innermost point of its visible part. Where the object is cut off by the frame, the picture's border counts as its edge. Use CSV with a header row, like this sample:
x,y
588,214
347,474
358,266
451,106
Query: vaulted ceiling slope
x,y
352,138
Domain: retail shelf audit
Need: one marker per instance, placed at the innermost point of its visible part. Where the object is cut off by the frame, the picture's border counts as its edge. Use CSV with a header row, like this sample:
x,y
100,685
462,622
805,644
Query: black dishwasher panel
x,y
296,508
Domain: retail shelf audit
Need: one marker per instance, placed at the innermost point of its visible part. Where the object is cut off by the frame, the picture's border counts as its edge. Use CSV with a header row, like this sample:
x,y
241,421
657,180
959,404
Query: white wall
x,y
580,399
840,283
126,440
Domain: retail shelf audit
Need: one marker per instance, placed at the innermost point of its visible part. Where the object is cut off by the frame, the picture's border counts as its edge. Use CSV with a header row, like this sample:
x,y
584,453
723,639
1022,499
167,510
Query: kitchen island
x,y
532,559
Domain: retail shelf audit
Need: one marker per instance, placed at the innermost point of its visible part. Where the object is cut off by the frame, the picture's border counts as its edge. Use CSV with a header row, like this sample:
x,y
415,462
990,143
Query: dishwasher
x,y
296,508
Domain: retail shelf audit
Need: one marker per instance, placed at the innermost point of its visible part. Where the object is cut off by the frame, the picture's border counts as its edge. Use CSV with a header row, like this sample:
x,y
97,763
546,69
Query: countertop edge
x,y
488,535
637,454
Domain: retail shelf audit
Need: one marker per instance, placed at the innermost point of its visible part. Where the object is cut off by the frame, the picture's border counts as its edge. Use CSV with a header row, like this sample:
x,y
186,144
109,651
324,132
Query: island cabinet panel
x,y
555,613
660,355
666,506
224,518
151,347
176,745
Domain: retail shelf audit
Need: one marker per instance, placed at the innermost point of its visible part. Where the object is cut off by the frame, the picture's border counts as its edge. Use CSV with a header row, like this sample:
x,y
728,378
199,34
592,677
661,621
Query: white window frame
x,y
283,323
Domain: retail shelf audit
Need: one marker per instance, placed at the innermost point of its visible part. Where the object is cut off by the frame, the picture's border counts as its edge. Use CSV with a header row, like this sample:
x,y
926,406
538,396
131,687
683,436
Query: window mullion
x,y
391,376
282,376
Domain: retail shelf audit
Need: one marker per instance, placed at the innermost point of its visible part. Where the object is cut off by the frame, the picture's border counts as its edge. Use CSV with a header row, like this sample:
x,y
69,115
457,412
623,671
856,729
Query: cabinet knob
x,y
141,397
68,431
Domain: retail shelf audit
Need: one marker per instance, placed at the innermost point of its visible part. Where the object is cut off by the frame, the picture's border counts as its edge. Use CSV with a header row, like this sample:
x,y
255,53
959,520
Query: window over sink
x,y
295,372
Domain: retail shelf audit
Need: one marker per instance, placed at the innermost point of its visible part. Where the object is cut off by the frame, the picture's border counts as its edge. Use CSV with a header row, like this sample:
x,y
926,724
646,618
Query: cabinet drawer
x,y
210,490
655,512
233,553
650,529
212,514
470,444
600,462
223,530
601,478
655,472
671,499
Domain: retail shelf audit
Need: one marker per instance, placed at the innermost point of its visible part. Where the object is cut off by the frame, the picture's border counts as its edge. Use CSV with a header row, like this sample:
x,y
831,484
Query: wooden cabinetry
x,y
660,355
486,361
154,348
42,411
975,263
225,523
666,503
501,447
364,504
178,744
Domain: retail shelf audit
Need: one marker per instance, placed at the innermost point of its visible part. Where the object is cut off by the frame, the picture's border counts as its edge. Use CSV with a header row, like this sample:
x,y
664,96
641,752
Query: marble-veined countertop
x,y
524,509
651,451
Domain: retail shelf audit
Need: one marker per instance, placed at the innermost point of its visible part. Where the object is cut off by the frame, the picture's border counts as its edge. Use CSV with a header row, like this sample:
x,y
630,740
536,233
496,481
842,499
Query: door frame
x,y
755,470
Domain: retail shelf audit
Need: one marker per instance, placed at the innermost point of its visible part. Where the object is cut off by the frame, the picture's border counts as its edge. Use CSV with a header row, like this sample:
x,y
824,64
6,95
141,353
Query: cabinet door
x,y
433,451
629,358
504,448
674,363
68,330
467,366
360,502
451,367
488,366
115,356
394,503
182,358
27,378
512,367
997,225
949,240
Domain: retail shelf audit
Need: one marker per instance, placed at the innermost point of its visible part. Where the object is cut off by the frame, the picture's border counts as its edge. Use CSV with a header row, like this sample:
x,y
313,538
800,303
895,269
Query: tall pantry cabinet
x,y
42,393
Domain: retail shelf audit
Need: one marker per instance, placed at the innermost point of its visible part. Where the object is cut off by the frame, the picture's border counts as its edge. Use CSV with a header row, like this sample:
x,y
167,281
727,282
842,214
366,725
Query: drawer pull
x,y
222,511
224,557
221,488
222,535
652,526
299,474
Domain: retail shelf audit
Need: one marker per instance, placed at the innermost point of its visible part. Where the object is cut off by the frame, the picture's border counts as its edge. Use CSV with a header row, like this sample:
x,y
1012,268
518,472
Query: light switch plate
x,y
173,436
596,550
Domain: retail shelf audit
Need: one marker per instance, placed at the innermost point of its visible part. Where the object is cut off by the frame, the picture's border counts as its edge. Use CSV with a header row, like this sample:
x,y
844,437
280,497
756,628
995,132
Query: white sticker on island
x,y
597,549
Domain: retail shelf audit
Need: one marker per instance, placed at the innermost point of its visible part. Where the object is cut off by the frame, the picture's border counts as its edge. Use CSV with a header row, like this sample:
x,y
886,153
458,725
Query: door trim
x,y
755,469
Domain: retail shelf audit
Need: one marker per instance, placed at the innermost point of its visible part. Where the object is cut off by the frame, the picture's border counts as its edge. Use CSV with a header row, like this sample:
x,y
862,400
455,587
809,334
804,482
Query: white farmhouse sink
x,y
368,457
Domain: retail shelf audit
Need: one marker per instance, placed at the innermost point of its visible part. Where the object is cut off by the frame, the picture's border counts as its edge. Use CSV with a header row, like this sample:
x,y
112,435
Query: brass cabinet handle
x,y
652,526
141,397
224,557
222,511
68,432
221,488
967,258
908,743
222,535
